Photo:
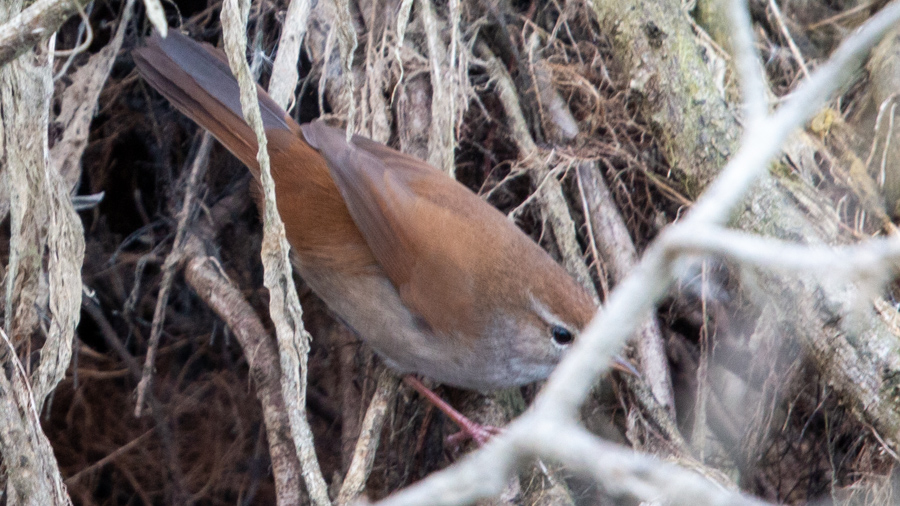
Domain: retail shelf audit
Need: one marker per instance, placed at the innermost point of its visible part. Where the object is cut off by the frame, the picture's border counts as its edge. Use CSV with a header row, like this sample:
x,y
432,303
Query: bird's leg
x,y
479,433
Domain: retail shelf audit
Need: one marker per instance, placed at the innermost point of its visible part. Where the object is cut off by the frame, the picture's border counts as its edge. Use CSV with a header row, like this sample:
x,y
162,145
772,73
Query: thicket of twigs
x,y
537,112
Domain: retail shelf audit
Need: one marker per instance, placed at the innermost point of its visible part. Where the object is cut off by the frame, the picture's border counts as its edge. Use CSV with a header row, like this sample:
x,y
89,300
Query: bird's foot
x,y
477,432
481,434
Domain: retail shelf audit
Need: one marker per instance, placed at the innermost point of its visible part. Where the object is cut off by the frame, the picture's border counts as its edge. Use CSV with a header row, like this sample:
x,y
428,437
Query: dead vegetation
x,y
535,98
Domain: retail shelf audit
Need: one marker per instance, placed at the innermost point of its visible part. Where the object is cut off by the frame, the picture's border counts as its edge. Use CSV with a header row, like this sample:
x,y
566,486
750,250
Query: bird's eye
x,y
561,335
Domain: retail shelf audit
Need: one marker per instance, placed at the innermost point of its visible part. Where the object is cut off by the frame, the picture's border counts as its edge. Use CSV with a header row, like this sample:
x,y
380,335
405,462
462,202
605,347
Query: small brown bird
x,y
430,276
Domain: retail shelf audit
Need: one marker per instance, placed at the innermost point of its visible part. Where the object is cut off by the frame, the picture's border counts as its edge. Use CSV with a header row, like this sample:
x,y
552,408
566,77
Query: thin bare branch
x,y
284,70
173,260
34,24
284,304
747,63
369,437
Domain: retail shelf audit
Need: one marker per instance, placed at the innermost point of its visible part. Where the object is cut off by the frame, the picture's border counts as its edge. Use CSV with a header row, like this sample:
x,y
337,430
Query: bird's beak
x,y
623,365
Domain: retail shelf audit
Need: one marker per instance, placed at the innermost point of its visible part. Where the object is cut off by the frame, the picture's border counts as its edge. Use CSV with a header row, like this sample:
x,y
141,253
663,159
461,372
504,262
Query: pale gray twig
x,y
284,70
284,304
746,62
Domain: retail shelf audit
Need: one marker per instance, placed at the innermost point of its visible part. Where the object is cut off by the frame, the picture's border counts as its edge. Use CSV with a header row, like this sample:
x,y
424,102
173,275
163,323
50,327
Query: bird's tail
x,y
196,78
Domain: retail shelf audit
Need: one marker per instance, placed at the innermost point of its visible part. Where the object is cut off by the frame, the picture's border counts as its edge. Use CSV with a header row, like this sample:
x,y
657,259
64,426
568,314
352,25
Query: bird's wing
x,y
409,214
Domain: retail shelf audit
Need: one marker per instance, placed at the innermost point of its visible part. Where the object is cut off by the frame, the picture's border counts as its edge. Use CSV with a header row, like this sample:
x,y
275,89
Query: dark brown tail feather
x,y
197,80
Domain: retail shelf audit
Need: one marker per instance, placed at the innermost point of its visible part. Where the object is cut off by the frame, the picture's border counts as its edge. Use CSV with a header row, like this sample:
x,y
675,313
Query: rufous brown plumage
x,y
434,279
